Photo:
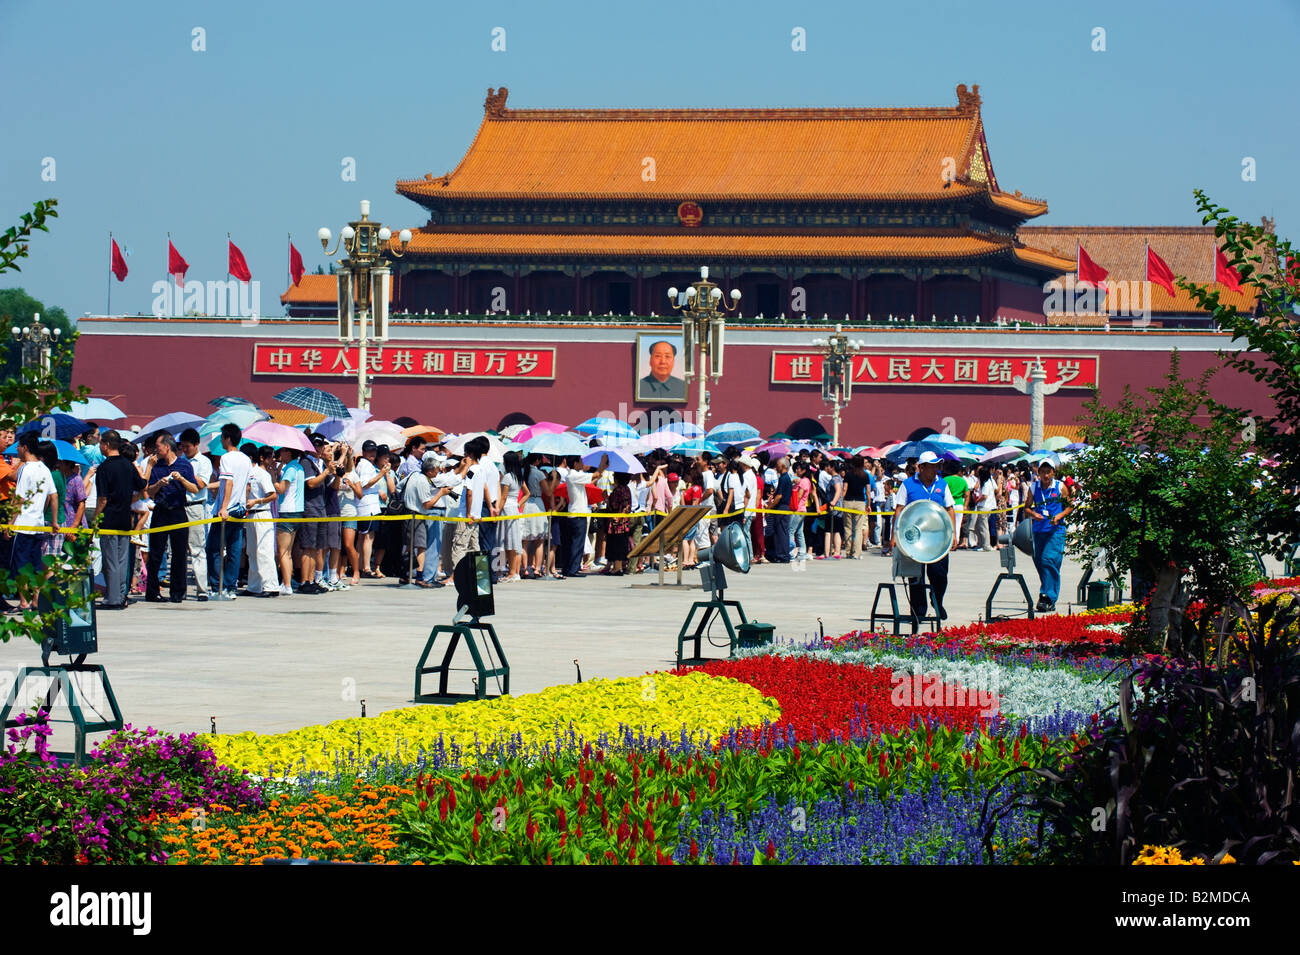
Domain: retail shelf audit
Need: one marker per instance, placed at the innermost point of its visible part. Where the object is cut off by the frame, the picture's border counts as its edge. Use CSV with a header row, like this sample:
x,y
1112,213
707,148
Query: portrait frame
x,y
645,393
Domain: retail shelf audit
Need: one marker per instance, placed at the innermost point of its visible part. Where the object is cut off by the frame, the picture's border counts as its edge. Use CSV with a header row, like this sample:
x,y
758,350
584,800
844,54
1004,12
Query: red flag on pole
x,y
236,265
1225,273
295,264
1159,272
1090,271
118,264
175,264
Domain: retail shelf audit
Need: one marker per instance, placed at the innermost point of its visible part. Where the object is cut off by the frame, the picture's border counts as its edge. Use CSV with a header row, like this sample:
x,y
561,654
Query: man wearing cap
x,y
1049,503
925,486
422,497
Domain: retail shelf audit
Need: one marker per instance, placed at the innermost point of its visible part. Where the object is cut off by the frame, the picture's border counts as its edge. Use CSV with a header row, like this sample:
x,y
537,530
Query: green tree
x,y
26,395
1270,268
1171,499
16,311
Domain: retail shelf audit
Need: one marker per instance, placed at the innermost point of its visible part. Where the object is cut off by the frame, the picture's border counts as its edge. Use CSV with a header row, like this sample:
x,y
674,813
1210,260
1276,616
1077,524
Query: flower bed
x,y
352,828
821,699
662,703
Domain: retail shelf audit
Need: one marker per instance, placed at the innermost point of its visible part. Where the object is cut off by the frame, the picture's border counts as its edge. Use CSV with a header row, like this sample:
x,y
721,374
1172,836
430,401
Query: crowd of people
x,y
264,522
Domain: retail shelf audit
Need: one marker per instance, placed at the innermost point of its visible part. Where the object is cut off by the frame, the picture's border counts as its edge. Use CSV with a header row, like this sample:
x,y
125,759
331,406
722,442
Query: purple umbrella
x,y
620,461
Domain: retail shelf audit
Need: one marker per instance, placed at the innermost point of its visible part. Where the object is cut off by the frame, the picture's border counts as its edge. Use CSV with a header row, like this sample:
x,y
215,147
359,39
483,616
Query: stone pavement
x,y
272,665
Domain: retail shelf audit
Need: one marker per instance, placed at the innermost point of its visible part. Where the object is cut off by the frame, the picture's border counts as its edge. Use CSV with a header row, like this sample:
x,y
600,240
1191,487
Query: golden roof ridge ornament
x,y
968,101
495,104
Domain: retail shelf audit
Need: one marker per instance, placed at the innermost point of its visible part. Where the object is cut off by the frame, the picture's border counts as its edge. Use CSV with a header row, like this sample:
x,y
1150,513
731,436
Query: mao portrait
x,y
659,368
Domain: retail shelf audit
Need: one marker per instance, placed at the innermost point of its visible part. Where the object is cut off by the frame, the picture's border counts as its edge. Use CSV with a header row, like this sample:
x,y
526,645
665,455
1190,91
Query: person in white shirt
x,y
573,533
196,506
235,471
35,491
987,504
374,492
261,535
465,538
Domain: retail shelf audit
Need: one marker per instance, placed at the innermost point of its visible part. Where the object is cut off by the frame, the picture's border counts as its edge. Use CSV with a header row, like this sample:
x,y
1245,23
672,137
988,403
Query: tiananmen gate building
x,y
540,273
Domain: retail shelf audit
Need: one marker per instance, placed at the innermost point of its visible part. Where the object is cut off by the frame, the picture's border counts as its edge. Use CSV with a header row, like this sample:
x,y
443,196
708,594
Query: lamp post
x,y
704,316
364,278
837,375
36,341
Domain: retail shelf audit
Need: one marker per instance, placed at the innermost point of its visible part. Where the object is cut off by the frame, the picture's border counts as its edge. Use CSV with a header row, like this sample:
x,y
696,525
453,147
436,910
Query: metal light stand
x,y
75,634
1008,557
715,580
456,632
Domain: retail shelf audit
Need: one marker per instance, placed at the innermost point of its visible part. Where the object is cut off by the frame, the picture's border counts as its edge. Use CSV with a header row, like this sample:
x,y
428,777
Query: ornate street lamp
x,y
36,340
364,278
704,316
837,375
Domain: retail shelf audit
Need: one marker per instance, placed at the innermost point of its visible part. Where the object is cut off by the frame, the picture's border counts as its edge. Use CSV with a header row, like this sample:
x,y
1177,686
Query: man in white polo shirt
x,y
236,469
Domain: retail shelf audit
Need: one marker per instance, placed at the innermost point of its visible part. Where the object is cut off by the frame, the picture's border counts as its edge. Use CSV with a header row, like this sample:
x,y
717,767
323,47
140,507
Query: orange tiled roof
x,y
989,433
1121,250
311,290
317,290
933,244
709,155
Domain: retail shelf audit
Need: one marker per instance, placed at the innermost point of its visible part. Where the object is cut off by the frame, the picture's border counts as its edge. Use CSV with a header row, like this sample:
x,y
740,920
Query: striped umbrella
x,y
228,401
313,399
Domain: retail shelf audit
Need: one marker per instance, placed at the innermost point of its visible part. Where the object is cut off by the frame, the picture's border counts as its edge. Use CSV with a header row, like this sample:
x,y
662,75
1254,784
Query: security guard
x,y
1050,504
926,486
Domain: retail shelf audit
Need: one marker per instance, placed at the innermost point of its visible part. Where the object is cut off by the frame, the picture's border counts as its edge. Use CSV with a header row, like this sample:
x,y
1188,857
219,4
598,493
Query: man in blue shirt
x,y
168,510
1049,503
926,486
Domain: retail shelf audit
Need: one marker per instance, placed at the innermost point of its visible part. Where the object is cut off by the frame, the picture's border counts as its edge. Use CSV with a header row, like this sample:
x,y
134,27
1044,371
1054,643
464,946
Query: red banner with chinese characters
x,y
950,369
406,361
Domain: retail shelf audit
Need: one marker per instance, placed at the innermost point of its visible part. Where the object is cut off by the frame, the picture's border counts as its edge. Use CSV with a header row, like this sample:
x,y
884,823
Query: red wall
x,y
155,374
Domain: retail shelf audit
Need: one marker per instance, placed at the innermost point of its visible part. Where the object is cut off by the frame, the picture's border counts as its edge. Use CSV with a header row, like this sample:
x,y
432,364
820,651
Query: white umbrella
x,y
1000,455
496,450
380,432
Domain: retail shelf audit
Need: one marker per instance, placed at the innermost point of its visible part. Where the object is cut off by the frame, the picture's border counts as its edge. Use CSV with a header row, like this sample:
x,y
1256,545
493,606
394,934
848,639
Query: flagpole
x,y
108,309
227,258
288,271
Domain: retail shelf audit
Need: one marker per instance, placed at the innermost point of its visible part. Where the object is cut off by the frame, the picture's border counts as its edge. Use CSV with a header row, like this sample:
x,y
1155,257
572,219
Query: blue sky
x,y
148,135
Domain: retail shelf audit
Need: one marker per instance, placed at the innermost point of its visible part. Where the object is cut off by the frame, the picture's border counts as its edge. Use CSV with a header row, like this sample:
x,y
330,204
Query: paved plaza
x,y
271,665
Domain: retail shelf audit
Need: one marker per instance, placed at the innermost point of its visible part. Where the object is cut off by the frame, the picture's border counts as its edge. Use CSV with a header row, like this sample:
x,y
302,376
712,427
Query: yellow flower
x,y
660,703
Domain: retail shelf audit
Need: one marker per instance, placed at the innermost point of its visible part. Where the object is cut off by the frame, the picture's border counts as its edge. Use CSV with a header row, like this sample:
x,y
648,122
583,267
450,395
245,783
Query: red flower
x,y
771,848
442,809
562,819
424,804
695,849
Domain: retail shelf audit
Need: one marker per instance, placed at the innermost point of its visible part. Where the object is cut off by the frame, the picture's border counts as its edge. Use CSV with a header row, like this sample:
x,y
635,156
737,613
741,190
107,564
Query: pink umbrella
x,y
774,449
533,430
278,436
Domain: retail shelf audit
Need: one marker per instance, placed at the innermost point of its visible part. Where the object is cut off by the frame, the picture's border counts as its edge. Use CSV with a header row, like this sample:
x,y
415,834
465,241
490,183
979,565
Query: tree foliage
x,y
1269,267
1168,497
26,396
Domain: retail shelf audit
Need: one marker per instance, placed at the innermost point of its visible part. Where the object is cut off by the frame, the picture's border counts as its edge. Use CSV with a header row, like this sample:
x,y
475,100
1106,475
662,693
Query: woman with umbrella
x,y
618,533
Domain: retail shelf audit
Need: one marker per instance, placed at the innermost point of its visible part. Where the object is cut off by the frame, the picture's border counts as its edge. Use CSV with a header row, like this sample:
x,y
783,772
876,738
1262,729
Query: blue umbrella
x,y
313,399
173,423
240,414
914,449
229,401
696,446
687,428
732,432
93,408
562,445
66,451
606,426
620,461
63,426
